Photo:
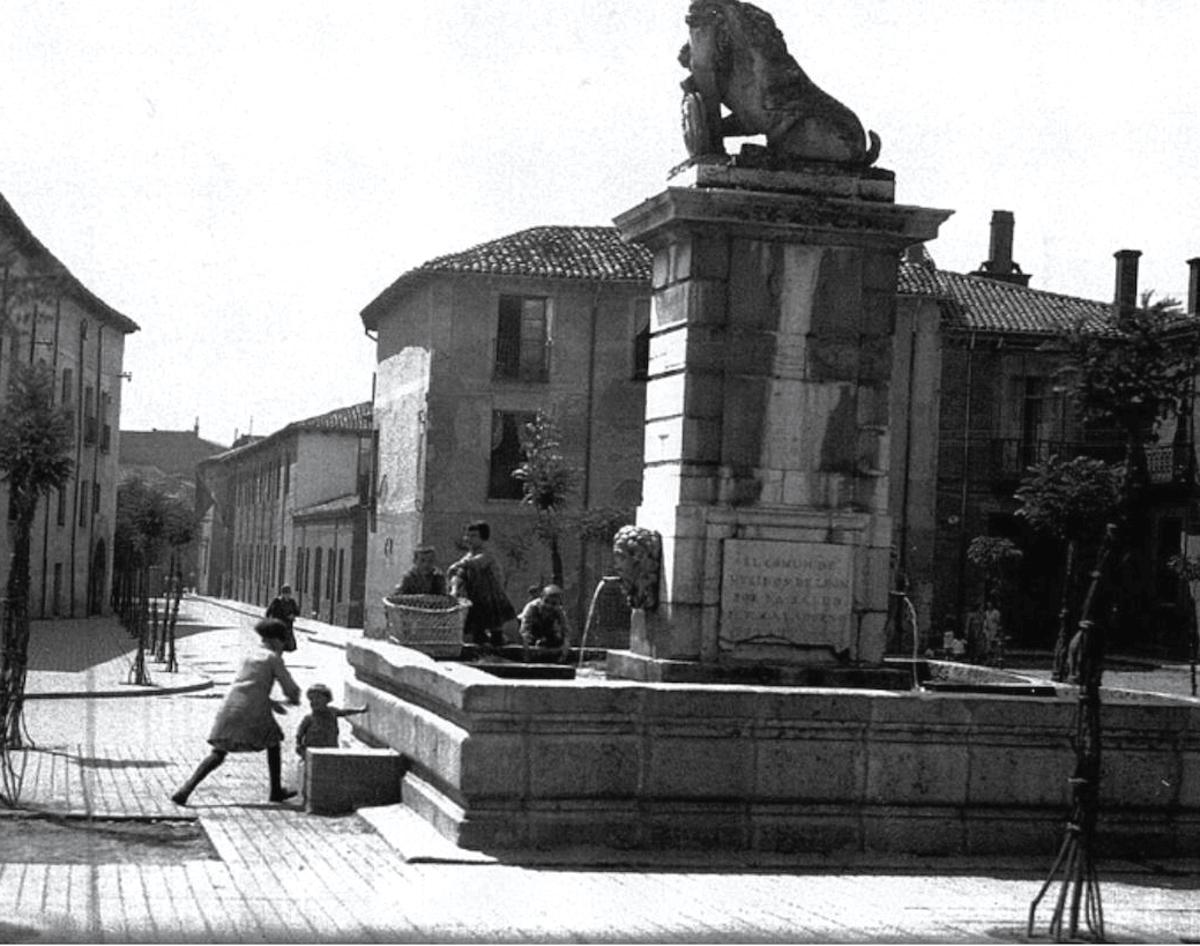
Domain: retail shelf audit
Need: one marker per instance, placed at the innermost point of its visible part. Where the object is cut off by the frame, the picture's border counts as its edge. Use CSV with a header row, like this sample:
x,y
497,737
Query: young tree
x,y
995,558
549,480
1065,499
150,525
35,444
1131,379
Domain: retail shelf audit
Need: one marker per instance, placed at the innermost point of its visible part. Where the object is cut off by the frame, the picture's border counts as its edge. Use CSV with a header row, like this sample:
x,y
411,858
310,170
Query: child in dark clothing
x,y
283,607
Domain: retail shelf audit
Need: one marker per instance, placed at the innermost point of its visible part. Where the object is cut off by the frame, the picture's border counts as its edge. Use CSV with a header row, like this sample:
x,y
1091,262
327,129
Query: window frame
x,y
521,355
497,462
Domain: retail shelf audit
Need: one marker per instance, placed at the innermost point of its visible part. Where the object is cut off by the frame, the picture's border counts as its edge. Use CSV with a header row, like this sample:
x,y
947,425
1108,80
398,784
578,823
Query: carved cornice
x,y
797,218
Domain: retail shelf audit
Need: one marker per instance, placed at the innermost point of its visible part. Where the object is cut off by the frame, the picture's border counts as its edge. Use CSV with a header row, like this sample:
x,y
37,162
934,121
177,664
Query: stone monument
x,y
761,555
767,404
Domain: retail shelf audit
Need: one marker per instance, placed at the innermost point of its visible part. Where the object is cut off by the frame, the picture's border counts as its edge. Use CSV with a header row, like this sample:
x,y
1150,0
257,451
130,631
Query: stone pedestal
x,y
766,438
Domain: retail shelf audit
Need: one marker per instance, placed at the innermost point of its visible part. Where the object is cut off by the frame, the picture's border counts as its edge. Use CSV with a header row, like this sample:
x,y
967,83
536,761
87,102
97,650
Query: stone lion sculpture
x,y
637,557
738,58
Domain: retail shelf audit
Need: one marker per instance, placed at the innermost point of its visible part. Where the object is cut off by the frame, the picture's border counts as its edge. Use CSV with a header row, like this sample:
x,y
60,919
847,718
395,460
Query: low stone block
x,y
340,780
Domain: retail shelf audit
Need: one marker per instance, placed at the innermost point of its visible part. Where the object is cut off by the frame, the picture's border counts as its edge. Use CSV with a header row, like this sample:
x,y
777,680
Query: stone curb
x,y
194,684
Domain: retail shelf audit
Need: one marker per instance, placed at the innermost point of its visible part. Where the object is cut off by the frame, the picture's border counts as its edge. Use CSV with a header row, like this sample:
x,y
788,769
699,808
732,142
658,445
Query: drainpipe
x,y
586,488
91,526
966,477
80,422
46,510
902,562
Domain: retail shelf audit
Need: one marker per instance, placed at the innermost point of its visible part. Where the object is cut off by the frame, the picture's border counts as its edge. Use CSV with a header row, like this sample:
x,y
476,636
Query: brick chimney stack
x,y
1126,293
1000,266
1002,240
1193,296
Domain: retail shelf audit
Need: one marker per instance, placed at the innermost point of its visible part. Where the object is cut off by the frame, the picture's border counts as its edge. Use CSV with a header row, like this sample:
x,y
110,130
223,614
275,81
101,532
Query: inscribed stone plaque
x,y
799,592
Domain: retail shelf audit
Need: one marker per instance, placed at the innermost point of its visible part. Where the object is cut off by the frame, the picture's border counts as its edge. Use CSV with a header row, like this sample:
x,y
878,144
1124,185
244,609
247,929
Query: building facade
x,y
472,344
470,347
48,316
979,397
166,460
290,508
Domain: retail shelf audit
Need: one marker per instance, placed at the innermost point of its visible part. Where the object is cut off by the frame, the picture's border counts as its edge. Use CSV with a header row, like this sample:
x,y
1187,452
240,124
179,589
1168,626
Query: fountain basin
x,y
499,763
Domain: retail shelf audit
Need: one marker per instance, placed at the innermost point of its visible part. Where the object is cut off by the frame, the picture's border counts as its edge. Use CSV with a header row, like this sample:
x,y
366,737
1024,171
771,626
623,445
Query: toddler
x,y
319,729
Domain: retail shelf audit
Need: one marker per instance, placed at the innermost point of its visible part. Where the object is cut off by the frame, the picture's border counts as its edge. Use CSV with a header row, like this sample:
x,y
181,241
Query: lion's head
x,y
637,557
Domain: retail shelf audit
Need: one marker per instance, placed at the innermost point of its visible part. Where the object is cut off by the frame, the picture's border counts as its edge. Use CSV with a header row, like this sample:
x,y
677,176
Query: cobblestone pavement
x,y
273,873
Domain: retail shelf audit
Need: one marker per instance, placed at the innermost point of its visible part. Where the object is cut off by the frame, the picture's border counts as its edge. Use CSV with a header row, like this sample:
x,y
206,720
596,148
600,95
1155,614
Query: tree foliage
x,y
547,477
149,523
1070,499
991,554
548,480
35,448
1138,377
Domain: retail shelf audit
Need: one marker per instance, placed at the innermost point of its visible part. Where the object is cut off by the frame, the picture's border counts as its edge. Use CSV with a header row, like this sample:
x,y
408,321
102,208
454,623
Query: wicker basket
x,y
432,624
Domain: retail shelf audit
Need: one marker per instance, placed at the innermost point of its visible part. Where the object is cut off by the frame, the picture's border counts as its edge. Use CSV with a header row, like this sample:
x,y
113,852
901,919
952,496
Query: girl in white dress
x,y
245,722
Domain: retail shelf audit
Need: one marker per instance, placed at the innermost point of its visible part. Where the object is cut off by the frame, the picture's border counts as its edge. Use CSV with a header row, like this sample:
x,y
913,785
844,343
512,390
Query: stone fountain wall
x,y
498,763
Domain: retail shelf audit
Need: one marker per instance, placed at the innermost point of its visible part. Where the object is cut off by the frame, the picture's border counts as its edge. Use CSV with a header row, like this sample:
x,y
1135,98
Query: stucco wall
x,y
94,357
401,390
590,391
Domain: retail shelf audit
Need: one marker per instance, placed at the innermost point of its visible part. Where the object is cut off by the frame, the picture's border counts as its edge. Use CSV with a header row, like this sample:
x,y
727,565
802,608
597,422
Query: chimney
x,y
1193,296
1126,294
999,265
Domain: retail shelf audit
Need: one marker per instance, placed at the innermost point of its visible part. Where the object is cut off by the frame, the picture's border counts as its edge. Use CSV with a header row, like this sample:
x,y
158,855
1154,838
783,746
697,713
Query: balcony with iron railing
x,y
1004,460
518,360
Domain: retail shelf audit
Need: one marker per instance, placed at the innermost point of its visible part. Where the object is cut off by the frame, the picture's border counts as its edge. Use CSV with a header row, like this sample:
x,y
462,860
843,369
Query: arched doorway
x,y
95,602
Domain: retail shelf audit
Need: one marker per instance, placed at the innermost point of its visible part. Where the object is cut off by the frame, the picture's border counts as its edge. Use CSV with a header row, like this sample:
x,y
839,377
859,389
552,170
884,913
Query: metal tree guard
x,y
138,674
1075,866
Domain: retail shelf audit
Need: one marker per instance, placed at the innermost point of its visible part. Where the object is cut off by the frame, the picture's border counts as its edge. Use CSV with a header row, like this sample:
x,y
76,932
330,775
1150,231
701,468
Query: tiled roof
x,y
23,237
975,303
552,252
331,507
968,303
354,419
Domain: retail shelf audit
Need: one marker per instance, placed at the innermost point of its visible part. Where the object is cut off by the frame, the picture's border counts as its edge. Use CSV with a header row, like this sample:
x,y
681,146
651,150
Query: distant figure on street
x,y
283,607
424,578
477,577
544,622
244,722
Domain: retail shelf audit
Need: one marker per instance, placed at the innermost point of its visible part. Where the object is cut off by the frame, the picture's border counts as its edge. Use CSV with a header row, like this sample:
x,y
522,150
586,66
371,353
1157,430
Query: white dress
x,y
245,722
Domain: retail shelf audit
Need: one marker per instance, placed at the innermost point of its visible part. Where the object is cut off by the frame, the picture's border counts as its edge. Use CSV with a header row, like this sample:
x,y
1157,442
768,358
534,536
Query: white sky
x,y
242,178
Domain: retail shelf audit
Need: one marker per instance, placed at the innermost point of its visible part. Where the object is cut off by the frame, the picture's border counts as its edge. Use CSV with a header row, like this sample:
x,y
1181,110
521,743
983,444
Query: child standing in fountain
x,y
476,576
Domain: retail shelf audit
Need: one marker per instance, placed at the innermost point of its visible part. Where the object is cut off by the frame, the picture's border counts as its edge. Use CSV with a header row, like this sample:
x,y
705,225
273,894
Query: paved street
x,y
233,868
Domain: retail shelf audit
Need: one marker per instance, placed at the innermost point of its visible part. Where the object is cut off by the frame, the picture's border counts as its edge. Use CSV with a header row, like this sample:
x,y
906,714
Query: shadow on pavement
x,y
95,762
